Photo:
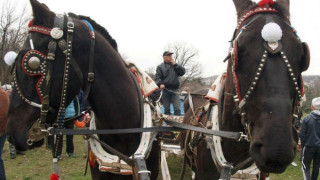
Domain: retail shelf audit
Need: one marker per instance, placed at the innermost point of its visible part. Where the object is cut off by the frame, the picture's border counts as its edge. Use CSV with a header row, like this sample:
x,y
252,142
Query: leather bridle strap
x,y
52,46
62,108
91,58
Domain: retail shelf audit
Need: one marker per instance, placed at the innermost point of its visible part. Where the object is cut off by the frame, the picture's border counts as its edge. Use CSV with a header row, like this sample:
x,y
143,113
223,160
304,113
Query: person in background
x,y
4,106
310,141
167,78
72,110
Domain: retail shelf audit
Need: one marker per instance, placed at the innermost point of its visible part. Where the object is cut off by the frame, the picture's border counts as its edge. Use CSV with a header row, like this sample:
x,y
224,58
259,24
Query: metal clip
x,y
48,131
90,76
243,137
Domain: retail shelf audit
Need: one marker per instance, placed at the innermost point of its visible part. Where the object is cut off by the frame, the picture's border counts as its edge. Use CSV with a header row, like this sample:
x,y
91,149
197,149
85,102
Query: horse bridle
x,y
35,63
271,48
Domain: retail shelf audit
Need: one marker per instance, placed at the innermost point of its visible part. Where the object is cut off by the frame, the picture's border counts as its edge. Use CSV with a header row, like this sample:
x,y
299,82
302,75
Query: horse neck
x,y
113,96
229,120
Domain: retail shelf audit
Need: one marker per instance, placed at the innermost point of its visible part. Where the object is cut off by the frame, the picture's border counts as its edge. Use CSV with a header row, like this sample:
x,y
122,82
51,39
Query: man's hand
x,y
172,61
162,86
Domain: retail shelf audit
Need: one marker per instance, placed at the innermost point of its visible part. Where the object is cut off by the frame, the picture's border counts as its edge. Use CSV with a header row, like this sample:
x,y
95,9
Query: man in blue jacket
x,y
310,141
167,78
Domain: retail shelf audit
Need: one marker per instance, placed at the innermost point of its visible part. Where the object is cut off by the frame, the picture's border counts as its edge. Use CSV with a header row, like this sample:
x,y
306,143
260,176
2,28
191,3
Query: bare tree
x,y
312,90
184,55
13,31
150,71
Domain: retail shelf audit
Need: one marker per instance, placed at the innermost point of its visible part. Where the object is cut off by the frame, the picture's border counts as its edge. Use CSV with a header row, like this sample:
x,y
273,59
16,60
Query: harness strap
x,y
52,46
61,113
125,158
91,58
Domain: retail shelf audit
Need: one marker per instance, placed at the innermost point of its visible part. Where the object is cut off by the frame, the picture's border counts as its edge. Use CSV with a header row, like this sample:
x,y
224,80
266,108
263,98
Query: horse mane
x,y
98,28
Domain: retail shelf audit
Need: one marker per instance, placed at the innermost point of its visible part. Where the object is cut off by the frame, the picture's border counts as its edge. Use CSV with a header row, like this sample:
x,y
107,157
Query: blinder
x,y
305,62
33,63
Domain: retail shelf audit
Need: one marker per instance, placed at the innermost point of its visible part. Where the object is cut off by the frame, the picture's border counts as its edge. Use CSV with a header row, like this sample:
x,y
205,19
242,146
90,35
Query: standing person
x,y
310,141
4,106
167,78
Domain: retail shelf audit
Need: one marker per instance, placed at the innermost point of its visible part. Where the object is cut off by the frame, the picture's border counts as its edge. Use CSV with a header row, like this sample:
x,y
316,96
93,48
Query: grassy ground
x,y
36,165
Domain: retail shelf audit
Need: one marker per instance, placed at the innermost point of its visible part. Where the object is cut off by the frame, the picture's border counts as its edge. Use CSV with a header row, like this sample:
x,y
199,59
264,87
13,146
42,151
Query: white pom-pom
x,y
10,57
271,32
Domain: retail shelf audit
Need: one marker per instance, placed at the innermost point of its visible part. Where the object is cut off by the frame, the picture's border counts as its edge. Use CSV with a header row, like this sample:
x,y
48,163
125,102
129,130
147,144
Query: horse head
x,y
50,69
265,74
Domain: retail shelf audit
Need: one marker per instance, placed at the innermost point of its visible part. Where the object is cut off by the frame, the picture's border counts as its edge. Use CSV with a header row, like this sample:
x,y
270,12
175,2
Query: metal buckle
x,y
243,137
48,131
70,25
90,76
44,112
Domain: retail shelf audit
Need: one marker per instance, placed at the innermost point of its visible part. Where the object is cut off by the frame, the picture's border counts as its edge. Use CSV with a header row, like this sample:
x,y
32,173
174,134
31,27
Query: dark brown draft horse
x,y
42,75
261,93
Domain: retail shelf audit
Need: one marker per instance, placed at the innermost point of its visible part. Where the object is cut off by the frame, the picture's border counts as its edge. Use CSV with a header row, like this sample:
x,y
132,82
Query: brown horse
x,y
4,106
62,55
260,94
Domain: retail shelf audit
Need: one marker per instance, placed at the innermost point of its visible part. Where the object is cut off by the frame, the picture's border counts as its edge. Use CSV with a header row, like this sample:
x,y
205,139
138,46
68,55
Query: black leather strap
x,y
176,127
90,71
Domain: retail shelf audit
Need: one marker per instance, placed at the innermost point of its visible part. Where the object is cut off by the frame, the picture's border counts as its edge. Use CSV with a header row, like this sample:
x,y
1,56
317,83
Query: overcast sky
x,y
142,28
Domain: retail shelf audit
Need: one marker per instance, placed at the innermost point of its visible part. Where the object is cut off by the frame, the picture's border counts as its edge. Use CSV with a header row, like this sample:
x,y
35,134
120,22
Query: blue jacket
x,y
310,131
73,108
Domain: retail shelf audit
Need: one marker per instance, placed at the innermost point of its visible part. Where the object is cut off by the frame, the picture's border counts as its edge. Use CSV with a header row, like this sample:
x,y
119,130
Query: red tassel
x,y
54,177
30,23
265,2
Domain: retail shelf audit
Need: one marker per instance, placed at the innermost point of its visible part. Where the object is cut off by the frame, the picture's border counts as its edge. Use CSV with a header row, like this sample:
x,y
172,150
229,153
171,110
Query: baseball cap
x,y
316,103
166,53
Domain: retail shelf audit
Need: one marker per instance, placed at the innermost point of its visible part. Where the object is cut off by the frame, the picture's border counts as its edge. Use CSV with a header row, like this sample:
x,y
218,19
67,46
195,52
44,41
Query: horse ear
x,y
42,14
285,5
241,6
305,61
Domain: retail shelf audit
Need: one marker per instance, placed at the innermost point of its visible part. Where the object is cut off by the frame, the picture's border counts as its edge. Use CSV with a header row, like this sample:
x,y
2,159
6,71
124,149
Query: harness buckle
x,y
243,137
48,131
70,25
90,76
44,111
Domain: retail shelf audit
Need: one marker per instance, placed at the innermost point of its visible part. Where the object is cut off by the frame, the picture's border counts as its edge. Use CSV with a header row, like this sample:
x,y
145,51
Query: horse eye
x,y
34,62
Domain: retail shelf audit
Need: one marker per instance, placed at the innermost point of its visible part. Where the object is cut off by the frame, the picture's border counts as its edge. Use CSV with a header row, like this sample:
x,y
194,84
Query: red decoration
x,y
92,159
30,23
54,177
262,3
